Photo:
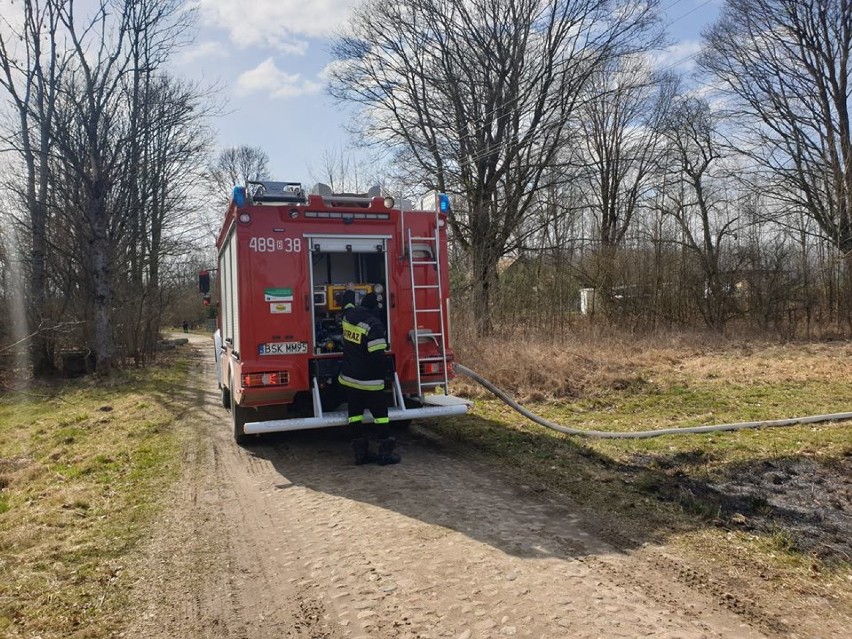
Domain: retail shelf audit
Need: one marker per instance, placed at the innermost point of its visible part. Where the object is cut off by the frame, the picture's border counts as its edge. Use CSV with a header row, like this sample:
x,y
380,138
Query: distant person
x,y
363,376
185,326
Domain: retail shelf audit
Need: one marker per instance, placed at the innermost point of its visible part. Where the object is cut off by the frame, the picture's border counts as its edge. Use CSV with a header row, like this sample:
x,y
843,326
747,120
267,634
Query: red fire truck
x,y
285,259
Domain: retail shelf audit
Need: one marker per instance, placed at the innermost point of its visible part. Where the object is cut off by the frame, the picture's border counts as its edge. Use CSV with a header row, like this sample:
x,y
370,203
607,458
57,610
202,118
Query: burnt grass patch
x,y
806,503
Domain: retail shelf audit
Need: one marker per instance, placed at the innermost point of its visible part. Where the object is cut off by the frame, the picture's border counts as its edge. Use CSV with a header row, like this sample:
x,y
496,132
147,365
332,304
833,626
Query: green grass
x,y
500,430
83,468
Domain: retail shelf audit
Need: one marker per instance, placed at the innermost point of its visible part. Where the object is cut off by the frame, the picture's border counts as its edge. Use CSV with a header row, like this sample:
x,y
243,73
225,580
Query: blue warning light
x,y
239,196
443,202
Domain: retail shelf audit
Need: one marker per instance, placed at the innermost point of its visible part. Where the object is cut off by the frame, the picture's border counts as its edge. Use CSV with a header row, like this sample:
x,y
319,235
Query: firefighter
x,y
363,375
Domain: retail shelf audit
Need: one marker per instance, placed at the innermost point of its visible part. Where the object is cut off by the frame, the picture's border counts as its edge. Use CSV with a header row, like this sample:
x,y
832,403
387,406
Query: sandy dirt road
x,y
287,538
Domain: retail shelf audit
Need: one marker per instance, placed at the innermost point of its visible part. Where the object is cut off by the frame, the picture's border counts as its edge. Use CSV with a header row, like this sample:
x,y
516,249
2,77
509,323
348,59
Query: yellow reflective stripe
x,y
353,333
356,418
376,345
382,420
355,327
370,384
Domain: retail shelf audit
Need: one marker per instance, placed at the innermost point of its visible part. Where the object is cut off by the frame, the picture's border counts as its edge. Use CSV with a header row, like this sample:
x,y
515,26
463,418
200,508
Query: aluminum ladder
x,y
421,281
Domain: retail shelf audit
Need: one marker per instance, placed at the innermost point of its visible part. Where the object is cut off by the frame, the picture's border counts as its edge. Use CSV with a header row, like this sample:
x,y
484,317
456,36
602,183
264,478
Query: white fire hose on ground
x,y
645,434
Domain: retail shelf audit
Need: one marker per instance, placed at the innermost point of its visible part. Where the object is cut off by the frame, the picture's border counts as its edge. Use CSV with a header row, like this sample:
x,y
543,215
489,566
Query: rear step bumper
x,y
434,406
341,419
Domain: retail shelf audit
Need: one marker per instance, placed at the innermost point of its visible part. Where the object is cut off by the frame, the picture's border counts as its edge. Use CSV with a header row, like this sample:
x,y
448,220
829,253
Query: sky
x,y
268,57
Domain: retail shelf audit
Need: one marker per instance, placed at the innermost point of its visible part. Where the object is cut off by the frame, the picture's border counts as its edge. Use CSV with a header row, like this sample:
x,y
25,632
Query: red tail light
x,y
278,378
431,368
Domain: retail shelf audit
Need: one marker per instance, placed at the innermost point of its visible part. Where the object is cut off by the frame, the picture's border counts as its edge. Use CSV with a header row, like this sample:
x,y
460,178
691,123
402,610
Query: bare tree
x,y
166,143
155,27
619,132
119,134
343,172
31,66
620,128
787,64
238,165
705,220
174,143
476,98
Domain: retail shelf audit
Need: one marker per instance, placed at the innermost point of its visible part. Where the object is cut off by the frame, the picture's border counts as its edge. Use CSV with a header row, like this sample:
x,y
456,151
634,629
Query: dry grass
x,y
81,471
588,372
577,367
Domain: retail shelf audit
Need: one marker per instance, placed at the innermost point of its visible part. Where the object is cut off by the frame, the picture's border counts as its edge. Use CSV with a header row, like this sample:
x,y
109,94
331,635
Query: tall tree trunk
x,y
485,283
102,301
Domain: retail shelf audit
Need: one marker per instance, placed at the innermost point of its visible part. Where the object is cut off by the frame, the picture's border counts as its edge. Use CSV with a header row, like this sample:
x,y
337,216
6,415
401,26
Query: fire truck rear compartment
x,y
338,264
335,271
357,263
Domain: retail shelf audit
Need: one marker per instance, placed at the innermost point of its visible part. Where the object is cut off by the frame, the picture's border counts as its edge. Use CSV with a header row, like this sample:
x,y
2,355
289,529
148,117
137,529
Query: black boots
x,y
361,448
386,456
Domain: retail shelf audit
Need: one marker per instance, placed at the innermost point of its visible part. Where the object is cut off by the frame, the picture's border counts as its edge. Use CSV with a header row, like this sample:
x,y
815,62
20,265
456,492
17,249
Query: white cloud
x,y
208,50
279,24
680,56
330,69
268,78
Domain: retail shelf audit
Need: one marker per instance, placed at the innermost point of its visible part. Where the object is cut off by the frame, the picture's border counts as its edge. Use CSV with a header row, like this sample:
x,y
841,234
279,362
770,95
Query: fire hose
x,y
645,434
